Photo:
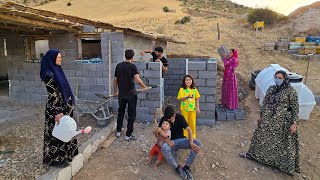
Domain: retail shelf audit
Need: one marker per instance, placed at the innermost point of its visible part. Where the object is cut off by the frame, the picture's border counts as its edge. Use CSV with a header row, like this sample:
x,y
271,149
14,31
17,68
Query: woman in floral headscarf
x,y
275,142
60,102
229,97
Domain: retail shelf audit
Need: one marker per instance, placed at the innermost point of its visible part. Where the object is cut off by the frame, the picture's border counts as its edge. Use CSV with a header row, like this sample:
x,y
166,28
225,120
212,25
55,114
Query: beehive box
x,y
300,39
318,50
284,40
282,46
307,50
268,46
309,43
295,45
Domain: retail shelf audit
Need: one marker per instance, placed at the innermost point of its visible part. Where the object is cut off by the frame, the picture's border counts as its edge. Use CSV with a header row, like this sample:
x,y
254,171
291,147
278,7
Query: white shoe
x,y
118,134
130,138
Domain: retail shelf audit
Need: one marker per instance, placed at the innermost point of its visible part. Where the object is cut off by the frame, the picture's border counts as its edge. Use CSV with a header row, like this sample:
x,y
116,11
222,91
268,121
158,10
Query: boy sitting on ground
x,y
163,132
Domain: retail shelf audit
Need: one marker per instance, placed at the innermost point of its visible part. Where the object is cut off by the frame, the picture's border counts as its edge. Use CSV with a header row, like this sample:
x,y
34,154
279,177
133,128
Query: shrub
x,y
263,14
25,1
69,4
166,9
185,19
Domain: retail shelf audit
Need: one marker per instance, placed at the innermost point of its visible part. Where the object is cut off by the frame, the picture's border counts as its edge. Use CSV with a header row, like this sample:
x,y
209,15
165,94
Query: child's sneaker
x,y
188,172
130,138
181,172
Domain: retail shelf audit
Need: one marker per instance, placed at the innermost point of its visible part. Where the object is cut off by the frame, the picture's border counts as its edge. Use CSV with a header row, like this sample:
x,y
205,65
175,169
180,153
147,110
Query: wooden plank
x,y
22,29
109,141
17,19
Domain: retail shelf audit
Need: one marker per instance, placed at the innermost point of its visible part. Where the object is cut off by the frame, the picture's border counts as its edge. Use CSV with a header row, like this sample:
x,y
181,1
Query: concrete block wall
x,y
138,44
3,59
204,72
26,85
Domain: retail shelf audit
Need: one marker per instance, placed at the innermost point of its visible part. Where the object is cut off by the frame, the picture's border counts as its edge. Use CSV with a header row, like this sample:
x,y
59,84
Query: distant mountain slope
x,y
304,9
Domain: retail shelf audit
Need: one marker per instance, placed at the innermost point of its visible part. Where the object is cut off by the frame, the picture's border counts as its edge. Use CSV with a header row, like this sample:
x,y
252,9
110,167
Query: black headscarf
x,y
273,100
50,69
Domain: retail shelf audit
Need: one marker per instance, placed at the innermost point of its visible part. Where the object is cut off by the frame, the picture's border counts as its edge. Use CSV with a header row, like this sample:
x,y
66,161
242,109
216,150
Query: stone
x,y
76,164
65,174
213,166
87,152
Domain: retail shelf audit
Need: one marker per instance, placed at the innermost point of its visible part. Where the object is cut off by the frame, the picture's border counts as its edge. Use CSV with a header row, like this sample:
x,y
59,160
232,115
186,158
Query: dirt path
x,y
218,160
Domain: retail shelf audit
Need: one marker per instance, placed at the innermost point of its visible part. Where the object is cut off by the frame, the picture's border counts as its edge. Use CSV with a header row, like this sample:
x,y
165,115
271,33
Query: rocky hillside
x,y
28,2
306,20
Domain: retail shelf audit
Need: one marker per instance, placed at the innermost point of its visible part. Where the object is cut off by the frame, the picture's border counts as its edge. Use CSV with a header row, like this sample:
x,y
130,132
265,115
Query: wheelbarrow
x,y
100,109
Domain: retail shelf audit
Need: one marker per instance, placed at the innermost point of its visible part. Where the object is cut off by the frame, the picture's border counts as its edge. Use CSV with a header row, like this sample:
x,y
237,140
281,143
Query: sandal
x,y
245,155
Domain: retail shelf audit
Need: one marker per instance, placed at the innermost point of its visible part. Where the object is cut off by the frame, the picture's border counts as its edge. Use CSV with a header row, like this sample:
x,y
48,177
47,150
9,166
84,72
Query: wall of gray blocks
x,y
27,88
204,72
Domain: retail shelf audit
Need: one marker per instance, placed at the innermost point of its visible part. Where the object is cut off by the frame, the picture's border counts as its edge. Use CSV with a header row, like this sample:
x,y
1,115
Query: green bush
x,y
185,19
166,9
263,14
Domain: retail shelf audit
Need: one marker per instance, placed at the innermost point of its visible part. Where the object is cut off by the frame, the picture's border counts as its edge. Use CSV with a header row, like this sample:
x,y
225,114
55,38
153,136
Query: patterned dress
x,y
229,97
55,151
272,142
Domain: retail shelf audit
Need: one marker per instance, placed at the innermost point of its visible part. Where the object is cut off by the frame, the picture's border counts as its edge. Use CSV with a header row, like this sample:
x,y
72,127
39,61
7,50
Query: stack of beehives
x,y
282,44
304,45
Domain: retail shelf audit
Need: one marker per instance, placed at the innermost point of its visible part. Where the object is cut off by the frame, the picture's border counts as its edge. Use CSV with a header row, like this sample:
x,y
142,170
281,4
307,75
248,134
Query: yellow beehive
x,y
259,24
300,39
318,50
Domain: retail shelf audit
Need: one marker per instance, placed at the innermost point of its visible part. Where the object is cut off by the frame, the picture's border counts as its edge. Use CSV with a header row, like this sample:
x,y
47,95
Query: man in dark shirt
x,y
178,141
125,74
157,56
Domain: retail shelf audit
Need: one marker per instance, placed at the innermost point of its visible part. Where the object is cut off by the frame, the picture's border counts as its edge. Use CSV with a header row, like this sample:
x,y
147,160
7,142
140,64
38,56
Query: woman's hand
x,y
293,128
57,117
198,110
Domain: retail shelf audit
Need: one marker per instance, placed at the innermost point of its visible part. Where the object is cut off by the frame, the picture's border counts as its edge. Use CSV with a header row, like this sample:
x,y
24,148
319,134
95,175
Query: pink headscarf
x,y
235,55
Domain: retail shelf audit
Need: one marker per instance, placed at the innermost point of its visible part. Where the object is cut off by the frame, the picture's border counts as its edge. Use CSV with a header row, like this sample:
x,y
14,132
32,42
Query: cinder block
x,y
231,115
200,82
102,81
194,74
151,74
152,104
153,96
153,66
30,90
141,65
210,115
202,114
212,66
207,75
207,90
211,99
152,81
221,114
90,67
202,99
143,110
97,88
142,96
36,97
211,82
85,88
240,114
207,106
195,66
144,118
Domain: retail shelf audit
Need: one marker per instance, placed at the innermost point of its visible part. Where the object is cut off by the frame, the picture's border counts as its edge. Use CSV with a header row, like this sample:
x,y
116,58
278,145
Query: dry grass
x,y
200,34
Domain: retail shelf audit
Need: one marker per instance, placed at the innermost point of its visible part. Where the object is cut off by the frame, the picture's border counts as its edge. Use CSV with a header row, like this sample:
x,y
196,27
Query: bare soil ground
x,y
21,139
219,158
221,144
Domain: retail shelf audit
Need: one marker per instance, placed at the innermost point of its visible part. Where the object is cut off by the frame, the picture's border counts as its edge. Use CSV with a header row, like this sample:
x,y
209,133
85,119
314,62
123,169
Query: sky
x,y
282,6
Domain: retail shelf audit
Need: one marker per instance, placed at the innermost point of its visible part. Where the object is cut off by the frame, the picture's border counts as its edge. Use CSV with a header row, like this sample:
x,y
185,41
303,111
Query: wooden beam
x,y
22,29
58,15
17,19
